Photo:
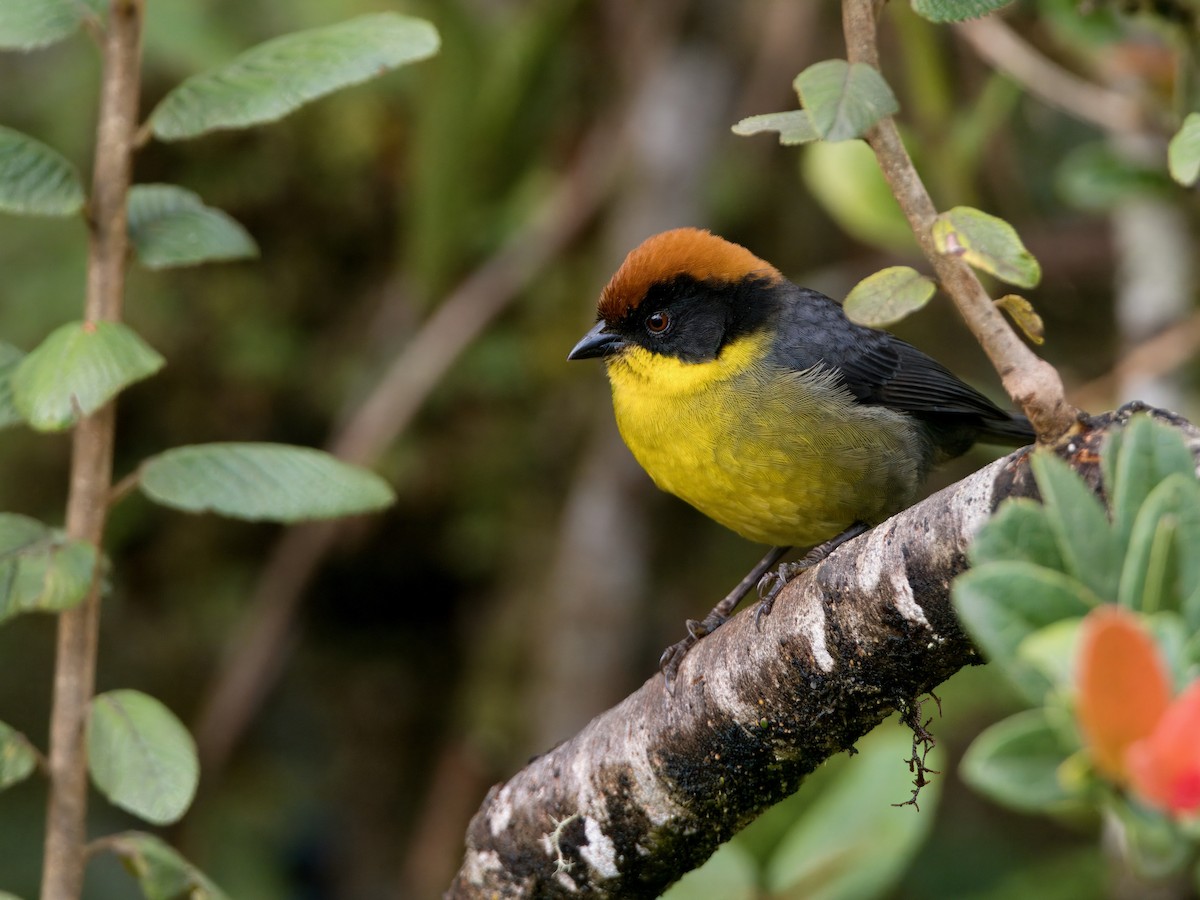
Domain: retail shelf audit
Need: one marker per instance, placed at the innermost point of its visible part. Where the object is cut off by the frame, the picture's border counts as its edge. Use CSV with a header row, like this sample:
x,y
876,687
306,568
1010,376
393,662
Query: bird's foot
x,y
673,656
773,582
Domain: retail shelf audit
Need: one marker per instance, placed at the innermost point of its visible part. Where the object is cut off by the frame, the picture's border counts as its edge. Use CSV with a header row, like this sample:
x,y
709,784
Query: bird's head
x,y
685,295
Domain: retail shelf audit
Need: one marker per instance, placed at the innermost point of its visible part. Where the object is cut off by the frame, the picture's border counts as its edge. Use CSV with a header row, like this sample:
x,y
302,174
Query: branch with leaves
x,y
649,788
137,752
652,786
849,99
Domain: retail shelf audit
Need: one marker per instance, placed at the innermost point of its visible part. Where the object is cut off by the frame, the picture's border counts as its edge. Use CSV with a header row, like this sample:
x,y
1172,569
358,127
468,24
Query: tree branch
x,y
1030,381
997,44
91,459
648,790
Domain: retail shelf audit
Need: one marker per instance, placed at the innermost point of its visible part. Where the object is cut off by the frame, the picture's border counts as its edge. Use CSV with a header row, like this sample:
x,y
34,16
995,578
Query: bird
x,y
762,405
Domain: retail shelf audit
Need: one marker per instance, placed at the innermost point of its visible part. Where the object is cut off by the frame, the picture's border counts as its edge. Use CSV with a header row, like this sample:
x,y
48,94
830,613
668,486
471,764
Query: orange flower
x,y
1164,768
1123,687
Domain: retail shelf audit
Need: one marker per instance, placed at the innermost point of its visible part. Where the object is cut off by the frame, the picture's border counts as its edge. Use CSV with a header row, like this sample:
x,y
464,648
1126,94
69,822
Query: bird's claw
x,y
698,629
673,656
671,659
771,584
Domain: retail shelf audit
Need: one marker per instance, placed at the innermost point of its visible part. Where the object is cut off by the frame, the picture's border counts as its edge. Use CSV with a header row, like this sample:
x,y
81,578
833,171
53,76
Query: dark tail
x,y
1013,430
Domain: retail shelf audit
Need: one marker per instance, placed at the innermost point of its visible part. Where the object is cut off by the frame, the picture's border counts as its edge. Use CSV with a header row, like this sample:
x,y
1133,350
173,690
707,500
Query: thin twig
x,y
91,459
1030,381
124,487
999,45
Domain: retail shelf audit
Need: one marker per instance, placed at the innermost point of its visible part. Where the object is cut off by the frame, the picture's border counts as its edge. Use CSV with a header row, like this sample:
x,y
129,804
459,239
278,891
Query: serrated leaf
x,y
77,369
36,180
41,569
141,757
1135,459
17,757
271,80
276,482
1016,762
161,872
1183,152
1085,538
29,24
956,10
794,126
1002,603
888,296
844,100
5,895
852,841
1024,316
988,243
1019,531
1162,567
9,357
171,226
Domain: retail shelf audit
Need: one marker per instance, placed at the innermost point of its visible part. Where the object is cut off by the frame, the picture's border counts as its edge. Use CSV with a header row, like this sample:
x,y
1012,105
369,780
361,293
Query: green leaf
x,y
844,101
852,842
17,757
1016,762
5,895
141,757
41,569
888,296
1183,152
1155,846
29,24
77,369
1051,651
1173,639
9,357
794,126
171,226
988,243
1162,567
1135,459
845,179
1019,530
34,179
1001,604
956,10
271,80
1081,527
1024,316
161,872
277,482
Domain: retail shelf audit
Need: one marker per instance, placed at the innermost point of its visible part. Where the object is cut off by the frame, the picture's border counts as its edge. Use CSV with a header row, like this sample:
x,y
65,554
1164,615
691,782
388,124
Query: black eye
x,y
658,322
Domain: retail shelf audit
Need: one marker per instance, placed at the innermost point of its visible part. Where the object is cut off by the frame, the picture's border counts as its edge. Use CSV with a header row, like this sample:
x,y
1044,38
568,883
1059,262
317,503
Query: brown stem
x,y
91,460
1030,381
997,43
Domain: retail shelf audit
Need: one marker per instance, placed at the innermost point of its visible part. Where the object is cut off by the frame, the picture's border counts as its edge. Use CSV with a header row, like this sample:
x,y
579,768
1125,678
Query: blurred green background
x,y
529,575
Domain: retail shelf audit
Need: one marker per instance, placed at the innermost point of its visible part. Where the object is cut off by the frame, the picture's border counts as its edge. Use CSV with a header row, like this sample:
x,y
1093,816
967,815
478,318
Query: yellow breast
x,y
780,457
